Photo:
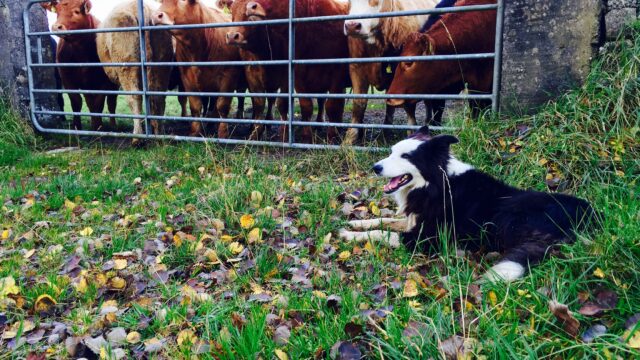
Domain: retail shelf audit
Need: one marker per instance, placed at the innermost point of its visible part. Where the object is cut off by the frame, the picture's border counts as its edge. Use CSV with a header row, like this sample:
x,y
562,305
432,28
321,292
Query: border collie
x,y
438,194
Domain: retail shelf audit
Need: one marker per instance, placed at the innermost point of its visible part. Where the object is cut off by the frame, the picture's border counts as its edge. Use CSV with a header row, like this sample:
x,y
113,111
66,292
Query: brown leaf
x,y
415,329
455,347
569,323
607,299
333,302
281,335
591,309
238,320
36,356
353,330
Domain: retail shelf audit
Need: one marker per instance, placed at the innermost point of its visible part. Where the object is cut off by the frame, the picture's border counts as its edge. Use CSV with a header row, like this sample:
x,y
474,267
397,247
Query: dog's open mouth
x,y
397,182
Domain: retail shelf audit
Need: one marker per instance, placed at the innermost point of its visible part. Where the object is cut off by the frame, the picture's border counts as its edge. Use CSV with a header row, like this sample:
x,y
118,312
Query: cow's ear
x,y
191,2
428,44
51,5
86,7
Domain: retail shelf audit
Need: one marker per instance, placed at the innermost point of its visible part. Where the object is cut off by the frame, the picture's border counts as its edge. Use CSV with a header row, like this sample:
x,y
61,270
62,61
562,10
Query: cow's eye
x,y
405,156
407,64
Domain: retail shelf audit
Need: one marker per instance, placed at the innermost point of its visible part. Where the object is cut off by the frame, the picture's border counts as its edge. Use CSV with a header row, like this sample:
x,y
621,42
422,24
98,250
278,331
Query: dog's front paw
x,y
506,271
345,234
394,240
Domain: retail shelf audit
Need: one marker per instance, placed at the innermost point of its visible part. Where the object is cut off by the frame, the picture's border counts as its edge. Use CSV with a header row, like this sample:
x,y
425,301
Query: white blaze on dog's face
x,y
363,28
404,175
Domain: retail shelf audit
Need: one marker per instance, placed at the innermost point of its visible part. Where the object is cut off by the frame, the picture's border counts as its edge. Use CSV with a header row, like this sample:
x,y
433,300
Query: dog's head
x,y
417,161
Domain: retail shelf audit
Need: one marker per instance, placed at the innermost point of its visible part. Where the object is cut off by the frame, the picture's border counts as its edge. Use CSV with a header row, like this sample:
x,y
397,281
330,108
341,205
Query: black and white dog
x,y
438,194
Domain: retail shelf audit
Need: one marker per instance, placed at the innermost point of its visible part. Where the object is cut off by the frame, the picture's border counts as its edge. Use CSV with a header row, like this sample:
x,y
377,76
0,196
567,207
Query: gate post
x,y
548,48
13,63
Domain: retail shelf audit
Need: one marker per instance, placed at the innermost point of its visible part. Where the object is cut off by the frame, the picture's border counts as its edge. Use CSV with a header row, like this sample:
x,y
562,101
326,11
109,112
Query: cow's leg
x,y
306,111
182,100
240,109
112,104
360,85
410,109
76,107
223,106
283,108
95,103
335,110
195,105
391,239
258,114
157,106
269,115
321,109
135,103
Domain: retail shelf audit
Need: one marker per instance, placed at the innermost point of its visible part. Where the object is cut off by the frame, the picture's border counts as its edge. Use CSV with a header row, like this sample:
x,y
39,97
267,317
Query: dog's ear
x,y
422,134
444,141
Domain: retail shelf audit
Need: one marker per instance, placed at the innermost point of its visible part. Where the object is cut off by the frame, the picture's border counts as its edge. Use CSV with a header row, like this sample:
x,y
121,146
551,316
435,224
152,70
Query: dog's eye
x,y
405,156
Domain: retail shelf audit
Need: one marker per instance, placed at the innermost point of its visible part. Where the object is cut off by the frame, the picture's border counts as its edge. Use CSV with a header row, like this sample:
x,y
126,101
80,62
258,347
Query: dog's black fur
x,y
480,212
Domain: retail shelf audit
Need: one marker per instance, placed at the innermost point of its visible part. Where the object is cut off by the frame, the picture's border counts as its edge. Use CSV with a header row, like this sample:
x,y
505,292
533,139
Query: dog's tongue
x,y
393,183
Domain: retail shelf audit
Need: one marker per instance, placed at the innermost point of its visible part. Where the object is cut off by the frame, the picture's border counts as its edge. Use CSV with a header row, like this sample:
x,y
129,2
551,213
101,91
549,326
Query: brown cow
x,y
203,45
81,48
454,33
125,47
378,37
315,40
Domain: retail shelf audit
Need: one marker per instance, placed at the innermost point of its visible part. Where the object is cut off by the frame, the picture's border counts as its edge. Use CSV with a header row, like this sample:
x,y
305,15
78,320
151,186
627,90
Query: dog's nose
x,y
377,169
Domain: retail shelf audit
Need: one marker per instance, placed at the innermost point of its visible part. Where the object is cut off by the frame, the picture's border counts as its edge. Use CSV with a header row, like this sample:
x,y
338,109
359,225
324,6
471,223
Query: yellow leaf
x,y
186,337
319,294
368,247
177,240
120,264
344,255
118,283
493,298
543,161
6,233
44,303
212,255
82,285
281,355
254,236
218,224
410,288
414,304
634,341
619,173
375,210
86,231
226,238
599,273
236,248
133,337
109,303
12,331
247,221
70,205
8,287
256,198
103,353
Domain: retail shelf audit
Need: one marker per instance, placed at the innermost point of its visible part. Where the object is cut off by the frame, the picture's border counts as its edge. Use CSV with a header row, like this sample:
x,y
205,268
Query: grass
x,y
104,200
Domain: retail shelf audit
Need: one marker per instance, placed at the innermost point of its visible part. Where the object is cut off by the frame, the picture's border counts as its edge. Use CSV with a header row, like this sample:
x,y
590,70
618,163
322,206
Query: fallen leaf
x,y
86,231
8,287
186,337
44,303
281,335
415,329
247,221
569,323
281,355
343,256
599,273
133,337
153,345
333,302
70,205
254,236
593,332
118,283
120,264
410,288
345,350
236,248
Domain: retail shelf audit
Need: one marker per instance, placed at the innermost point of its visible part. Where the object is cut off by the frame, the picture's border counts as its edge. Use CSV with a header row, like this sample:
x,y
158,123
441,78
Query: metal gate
x,y
35,112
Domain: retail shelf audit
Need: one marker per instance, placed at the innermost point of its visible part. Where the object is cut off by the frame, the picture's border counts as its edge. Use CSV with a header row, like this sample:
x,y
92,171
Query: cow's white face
x,y
363,28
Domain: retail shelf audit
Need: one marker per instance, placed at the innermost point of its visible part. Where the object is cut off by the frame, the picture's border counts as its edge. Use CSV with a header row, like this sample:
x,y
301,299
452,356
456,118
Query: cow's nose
x,y
352,27
233,37
252,5
377,168
58,27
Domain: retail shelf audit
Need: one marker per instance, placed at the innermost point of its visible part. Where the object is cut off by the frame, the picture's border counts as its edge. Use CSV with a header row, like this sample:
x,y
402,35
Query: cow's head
x,y
177,12
71,14
364,28
239,36
411,76
257,10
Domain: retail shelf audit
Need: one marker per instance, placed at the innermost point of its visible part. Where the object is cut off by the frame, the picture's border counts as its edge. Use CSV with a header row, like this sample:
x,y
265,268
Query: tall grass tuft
x,y
16,137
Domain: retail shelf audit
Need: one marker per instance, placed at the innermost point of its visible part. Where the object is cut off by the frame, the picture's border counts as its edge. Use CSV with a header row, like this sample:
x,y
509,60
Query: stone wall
x,y
13,70
617,14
